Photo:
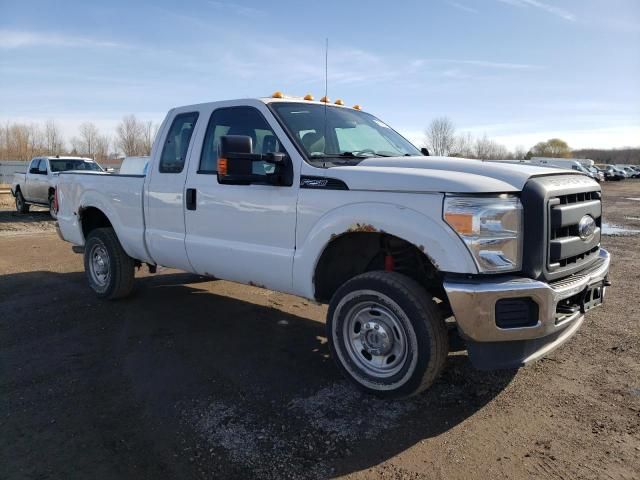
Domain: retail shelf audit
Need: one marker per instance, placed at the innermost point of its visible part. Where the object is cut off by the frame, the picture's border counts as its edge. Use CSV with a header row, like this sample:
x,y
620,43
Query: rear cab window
x,y
176,144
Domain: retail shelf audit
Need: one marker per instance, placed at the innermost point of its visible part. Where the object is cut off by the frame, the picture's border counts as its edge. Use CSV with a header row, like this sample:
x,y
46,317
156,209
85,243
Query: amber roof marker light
x,y
339,102
277,94
308,96
357,107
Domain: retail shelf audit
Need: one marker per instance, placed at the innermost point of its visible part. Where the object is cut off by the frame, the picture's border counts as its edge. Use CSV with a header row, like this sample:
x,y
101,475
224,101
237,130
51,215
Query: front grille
x,y
553,207
566,248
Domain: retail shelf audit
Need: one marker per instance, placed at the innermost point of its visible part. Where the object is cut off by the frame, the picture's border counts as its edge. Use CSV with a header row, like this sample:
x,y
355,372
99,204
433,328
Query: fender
x,y
441,244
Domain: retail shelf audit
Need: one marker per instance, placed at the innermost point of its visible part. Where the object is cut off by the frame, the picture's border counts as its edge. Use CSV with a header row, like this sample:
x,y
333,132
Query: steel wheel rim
x,y
99,265
52,210
375,339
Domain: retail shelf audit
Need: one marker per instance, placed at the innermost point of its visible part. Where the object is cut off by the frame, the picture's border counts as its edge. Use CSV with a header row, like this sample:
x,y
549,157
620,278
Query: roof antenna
x,y
326,89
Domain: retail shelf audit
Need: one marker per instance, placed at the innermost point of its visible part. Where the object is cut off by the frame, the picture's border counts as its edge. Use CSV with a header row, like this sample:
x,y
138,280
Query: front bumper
x,y
473,302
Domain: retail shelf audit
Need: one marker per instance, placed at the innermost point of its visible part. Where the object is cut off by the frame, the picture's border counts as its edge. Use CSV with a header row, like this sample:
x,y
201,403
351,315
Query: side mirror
x,y
235,162
34,170
424,151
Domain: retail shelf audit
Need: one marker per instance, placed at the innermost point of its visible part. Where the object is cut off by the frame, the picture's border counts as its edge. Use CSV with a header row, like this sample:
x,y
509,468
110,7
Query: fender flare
x,y
439,242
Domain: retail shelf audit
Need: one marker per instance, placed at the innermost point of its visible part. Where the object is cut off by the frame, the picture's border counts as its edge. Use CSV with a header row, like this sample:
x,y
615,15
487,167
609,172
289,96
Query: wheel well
x,y
92,218
351,254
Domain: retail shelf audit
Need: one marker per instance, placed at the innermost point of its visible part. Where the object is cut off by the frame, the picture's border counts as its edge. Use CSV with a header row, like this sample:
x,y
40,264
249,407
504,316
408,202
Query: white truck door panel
x,y
30,181
243,233
165,227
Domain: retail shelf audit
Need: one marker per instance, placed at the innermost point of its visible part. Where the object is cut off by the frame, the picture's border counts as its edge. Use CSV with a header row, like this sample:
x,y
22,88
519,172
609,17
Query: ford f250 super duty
x,y
38,185
329,203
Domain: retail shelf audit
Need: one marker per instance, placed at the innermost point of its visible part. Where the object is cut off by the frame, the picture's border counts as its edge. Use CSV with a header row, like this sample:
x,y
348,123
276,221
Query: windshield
x,y
64,164
345,135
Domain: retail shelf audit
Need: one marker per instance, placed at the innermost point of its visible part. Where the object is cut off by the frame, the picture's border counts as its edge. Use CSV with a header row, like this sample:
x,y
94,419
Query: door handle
x,y
190,198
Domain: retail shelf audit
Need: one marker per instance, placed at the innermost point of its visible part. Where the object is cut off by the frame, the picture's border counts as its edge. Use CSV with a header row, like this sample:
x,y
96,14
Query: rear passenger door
x,y
165,227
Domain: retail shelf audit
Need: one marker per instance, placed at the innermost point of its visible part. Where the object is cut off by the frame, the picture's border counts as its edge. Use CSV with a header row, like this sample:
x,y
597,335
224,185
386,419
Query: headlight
x,y
491,227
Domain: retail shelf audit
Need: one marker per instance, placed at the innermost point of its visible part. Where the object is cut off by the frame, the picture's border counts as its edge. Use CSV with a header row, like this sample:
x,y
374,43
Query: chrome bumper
x,y
473,302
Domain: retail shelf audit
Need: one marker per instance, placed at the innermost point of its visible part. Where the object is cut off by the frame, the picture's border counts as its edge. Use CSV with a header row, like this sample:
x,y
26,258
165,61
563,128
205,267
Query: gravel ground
x,y
195,378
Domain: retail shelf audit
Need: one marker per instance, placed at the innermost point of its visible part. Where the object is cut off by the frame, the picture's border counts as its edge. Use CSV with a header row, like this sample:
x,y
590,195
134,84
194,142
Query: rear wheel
x,y
109,270
21,204
386,334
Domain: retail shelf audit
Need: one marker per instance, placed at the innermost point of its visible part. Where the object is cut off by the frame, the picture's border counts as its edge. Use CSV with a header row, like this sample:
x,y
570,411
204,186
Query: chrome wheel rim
x,y
99,265
375,339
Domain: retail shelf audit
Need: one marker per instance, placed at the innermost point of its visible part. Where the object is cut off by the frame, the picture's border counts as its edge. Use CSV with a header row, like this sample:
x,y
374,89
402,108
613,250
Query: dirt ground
x,y
195,378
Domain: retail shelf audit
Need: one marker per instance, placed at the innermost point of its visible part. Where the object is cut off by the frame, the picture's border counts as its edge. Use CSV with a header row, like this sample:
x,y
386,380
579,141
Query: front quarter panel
x,y
416,218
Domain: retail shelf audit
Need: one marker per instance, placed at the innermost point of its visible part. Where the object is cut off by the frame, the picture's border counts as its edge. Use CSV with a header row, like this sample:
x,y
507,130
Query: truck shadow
x,y
40,215
247,389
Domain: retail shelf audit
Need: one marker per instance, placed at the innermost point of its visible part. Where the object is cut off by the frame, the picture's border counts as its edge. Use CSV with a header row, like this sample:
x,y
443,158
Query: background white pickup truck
x,y
329,203
37,185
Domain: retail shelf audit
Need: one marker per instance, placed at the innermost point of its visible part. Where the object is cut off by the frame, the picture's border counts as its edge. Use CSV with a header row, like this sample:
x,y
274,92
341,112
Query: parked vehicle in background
x,y
38,185
630,171
597,174
620,171
329,203
609,176
568,163
134,166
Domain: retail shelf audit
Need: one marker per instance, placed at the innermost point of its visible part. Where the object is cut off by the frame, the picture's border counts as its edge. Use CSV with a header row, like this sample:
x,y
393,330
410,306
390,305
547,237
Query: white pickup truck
x,y
37,185
329,203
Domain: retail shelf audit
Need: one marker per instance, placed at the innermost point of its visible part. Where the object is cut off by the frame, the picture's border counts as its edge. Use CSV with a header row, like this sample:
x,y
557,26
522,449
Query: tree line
x,y
23,141
441,139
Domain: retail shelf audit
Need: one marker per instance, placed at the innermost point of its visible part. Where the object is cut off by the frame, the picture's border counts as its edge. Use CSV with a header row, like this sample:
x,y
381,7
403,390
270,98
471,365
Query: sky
x,y
519,71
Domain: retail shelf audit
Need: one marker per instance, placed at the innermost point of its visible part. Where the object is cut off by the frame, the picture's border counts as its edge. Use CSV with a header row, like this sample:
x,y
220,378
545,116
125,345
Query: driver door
x,y
243,233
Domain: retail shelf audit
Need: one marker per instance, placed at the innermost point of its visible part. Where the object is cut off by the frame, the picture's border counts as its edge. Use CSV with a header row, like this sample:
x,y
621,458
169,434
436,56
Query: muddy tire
x,y
386,334
21,204
110,271
52,210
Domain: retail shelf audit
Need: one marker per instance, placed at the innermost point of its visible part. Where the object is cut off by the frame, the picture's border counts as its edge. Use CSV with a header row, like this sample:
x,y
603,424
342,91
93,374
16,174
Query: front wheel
x,y
386,334
52,207
21,205
109,270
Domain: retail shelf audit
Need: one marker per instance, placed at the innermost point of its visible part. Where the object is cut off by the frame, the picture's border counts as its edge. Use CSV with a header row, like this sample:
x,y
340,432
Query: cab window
x,y
176,144
239,121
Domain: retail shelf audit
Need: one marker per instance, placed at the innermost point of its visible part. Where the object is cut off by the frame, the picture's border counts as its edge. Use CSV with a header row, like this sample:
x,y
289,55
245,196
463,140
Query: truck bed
x,y
120,197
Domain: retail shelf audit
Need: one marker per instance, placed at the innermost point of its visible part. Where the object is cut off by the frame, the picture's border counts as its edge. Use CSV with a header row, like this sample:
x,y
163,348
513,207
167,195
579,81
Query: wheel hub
x,y
376,340
99,265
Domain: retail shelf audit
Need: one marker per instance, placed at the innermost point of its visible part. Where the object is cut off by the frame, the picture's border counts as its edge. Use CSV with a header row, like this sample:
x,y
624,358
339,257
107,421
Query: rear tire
x,y
386,334
109,270
21,204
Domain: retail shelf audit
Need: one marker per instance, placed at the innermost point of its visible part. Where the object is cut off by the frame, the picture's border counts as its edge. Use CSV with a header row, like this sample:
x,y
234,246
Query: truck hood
x,y
439,174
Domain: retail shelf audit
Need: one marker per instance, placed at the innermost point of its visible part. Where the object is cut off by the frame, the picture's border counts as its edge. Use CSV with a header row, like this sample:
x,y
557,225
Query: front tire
x,y
52,208
21,204
386,334
110,271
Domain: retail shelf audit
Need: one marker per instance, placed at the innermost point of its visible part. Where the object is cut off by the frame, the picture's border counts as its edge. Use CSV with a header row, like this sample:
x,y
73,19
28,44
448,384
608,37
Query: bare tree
x,y
150,130
53,143
463,146
519,153
88,139
487,149
440,136
102,145
130,135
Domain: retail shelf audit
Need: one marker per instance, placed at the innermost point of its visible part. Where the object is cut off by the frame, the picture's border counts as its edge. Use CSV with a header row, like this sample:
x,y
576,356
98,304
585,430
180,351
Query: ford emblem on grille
x,y
586,227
